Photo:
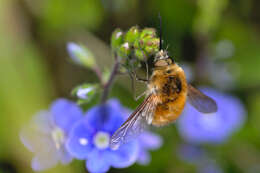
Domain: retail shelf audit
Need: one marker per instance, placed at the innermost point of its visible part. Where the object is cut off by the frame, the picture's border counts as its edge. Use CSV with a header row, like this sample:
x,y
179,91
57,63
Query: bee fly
x,y
166,95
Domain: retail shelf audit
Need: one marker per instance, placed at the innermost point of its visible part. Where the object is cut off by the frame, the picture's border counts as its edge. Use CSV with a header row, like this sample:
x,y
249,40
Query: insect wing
x,y
135,124
200,101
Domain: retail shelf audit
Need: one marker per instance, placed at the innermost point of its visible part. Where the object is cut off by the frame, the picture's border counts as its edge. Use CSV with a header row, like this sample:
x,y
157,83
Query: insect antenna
x,y
160,31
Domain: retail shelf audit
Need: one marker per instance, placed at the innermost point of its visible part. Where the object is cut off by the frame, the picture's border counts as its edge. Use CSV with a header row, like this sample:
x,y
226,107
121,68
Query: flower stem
x,y
110,80
99,74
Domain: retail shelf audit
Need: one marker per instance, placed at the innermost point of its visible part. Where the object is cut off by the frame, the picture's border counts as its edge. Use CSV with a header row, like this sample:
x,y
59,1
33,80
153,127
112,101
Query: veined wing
x,y
200,101
136,123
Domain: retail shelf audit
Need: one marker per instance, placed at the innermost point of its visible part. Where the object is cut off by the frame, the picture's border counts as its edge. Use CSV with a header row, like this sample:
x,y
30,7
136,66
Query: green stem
x,y
108,84
99,74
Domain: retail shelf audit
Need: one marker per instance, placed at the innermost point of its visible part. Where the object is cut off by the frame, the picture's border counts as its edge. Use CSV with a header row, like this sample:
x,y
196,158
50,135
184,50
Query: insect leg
x,y
132,83
141,95
133,87
140,79
147,70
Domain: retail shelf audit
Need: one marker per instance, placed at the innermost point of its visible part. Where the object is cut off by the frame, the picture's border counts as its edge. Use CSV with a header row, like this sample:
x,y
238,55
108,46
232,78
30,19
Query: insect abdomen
x,y
172,86
173,97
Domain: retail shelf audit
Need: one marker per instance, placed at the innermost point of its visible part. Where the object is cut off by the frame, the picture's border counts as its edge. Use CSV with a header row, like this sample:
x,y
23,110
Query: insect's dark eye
x,y
169,61
168,71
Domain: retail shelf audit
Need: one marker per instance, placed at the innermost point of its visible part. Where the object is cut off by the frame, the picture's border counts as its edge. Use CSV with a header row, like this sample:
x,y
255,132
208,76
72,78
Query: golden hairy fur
x,y
168,85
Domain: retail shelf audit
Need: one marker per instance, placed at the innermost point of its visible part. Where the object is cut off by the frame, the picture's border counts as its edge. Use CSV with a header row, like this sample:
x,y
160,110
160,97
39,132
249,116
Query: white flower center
x,y
83,141
101,140
210,121
58,137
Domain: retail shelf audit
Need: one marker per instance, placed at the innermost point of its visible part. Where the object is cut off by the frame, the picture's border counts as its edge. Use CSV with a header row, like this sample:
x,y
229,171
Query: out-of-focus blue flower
x,y
191,153
147,141
210,168
216,127
195,155
89,139
46,134
224,78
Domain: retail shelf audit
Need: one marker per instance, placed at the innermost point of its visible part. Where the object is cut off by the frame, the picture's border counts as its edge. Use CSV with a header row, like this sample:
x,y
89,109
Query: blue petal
x,y
34,139
118,107
64,156
191,153
210,168
115,104
125,155
229,117
104,118
66,113
43,121
40,164
150,141
143,157
46,155
79,142
147,141
98,161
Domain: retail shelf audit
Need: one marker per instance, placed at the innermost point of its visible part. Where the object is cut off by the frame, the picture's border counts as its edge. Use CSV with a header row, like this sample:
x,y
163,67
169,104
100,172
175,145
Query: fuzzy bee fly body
x,y
166,95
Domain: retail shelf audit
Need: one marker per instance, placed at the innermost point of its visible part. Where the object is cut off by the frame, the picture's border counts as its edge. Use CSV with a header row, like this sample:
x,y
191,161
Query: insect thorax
x,y
162,59
167,80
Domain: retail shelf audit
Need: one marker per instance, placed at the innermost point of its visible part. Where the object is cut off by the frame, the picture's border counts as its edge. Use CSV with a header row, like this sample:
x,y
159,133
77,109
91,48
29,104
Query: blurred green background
x,y
35,67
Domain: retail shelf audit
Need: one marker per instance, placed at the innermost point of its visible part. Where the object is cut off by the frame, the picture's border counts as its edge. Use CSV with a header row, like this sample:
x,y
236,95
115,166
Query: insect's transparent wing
x,y
135,124
200,101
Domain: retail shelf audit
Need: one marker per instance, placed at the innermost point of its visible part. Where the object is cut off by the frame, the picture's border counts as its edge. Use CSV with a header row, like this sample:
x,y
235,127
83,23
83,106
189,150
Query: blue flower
x,y
46,134
210,168
191,153
197,127
89,139
195,155
147,141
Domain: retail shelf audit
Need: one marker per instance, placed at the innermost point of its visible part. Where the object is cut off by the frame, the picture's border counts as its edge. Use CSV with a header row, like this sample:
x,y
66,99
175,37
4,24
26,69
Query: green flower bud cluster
x,y
135,43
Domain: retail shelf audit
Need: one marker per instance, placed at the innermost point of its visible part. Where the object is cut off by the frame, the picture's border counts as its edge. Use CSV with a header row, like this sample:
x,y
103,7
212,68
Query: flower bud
x,y
148,32
124,50
81,55
117,39
132,35
85,92
152,46
140,54
137,44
